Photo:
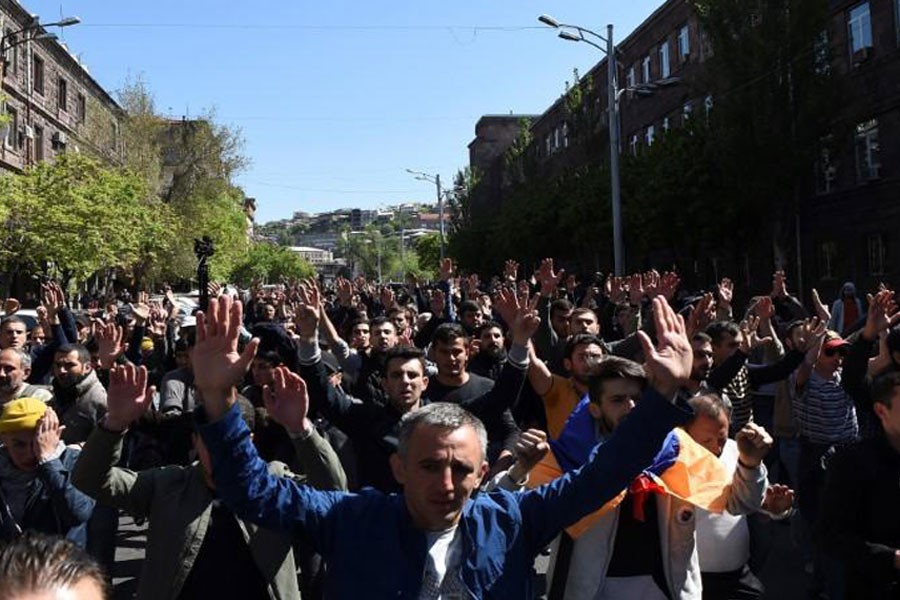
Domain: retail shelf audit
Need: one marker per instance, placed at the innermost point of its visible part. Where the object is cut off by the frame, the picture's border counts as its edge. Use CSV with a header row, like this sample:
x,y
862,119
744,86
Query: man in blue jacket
x,y
439,537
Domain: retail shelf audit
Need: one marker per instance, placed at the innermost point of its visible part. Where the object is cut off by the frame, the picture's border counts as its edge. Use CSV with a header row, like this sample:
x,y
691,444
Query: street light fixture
x,y
8,40
613,100
436,180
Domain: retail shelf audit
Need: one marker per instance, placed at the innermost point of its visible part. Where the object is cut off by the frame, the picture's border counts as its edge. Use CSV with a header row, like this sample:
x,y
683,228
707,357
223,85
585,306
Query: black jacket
x,y
859,517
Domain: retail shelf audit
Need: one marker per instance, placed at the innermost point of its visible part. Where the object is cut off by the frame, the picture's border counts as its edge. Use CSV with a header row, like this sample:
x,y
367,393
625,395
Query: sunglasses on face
x,y
832,351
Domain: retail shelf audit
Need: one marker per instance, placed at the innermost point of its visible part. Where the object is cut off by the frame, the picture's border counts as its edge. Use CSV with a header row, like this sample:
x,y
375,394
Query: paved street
x,y
783,575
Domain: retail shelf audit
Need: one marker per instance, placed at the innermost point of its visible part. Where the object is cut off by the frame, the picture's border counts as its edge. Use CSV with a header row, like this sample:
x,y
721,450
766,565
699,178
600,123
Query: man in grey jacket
x,y
196,547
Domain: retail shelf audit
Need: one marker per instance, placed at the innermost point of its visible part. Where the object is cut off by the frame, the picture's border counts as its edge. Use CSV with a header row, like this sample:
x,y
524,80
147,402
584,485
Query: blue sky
x,y
336,99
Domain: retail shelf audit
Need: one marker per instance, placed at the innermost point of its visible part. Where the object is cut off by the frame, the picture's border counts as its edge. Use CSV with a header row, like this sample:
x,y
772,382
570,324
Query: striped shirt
x,y
824,412
738,392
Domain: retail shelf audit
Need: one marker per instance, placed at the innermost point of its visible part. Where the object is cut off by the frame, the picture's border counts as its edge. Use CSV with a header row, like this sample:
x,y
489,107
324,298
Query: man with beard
x,y
368,383
491,354
15,367
561,394
78,396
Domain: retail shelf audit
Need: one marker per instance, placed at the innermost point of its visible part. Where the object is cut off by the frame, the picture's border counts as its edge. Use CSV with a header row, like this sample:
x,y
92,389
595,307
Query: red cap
x,y
832,343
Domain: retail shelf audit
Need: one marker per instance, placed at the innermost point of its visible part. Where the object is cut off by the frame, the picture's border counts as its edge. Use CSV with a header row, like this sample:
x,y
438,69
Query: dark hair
x,y
710,405
403,353
485,326
469,306
199,417
582,339
36,563
379,321
561,305
883,388
396,310
717,330
614,367
270,356
584,311
12,319
701,337
447,333
84,355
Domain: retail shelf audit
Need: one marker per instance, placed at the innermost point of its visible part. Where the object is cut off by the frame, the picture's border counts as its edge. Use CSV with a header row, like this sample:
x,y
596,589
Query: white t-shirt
x,y
441,581
723,539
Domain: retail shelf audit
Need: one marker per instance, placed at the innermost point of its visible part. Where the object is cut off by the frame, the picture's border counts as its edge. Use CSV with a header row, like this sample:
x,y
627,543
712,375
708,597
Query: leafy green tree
x,y
428,249
270,263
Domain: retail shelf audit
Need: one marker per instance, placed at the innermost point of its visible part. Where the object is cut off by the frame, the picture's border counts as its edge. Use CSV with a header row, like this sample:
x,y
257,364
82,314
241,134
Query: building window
x,y
876,254
12,131
629,78
565,135
37,74
859,24
684,42
664,60
650,135
11,57
828,253
665,124
62,94
80,107
38,143
633,145
645,70
548,144
708,105
867,160
826,172
686,111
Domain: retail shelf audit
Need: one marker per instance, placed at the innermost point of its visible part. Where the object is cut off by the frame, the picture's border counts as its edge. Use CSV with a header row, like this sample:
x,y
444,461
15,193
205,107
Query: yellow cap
x,y
146,344
21,414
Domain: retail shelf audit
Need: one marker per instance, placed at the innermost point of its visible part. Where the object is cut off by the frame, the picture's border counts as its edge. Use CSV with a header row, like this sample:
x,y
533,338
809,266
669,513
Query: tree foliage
x,y
270,263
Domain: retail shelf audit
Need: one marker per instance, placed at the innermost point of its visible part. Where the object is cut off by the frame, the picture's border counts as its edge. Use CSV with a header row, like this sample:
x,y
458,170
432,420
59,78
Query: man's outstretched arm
x,y
241,477
613,465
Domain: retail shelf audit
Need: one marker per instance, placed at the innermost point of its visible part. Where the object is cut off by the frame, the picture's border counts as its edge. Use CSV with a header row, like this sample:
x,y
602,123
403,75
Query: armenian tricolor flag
x,y
683,469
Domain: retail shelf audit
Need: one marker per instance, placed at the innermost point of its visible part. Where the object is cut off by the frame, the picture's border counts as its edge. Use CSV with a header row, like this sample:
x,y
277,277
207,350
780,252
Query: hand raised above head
x,y
669,363
287,401
218,366
128,397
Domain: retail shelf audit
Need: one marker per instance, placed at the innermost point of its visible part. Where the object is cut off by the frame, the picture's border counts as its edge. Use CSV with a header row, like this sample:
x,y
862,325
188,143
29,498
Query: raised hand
x,y
511,270
218,366
726,292
753,444
822,311
652,282
141,312
669,364
128,397
547,278
702,315
47,435
882,314
525,319
668,285
778,500
531,448
344,292
636,289
779,285
750,335
309,311
287,401
446,269
810,333
53,299
765,308
11,306
109,340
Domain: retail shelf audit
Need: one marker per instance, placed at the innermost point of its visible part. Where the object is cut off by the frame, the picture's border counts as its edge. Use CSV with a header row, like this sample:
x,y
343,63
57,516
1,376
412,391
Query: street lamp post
x,y
436,180
566,33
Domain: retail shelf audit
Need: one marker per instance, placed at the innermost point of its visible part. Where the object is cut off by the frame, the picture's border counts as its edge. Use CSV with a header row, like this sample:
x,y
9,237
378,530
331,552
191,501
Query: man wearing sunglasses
x,y
826,421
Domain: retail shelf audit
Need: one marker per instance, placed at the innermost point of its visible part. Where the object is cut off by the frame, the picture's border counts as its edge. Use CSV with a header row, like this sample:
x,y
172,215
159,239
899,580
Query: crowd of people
x,y
432,440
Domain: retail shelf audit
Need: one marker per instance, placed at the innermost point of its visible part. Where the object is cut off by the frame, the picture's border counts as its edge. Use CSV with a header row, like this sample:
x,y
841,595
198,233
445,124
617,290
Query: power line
x,y
474,28
330,191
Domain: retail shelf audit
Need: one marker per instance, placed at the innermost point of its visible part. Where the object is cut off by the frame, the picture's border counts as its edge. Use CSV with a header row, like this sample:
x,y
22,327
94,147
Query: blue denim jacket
x,y
369,542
